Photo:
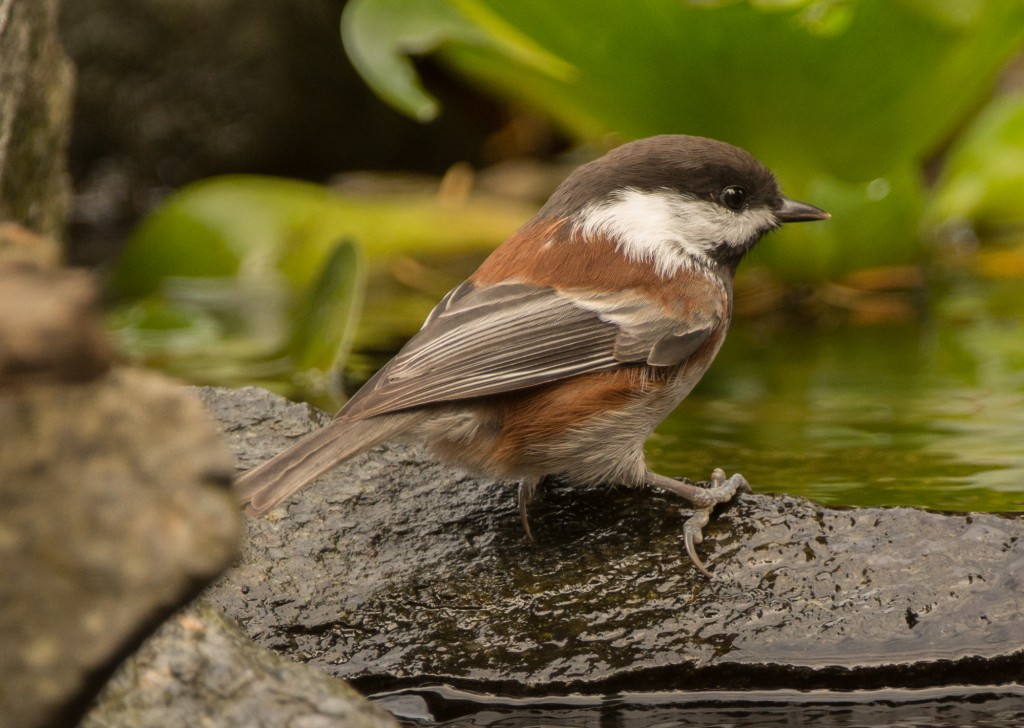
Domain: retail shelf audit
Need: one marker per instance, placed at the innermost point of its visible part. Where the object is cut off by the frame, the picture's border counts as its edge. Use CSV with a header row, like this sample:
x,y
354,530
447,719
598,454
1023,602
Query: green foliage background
x,y
845,100
247,279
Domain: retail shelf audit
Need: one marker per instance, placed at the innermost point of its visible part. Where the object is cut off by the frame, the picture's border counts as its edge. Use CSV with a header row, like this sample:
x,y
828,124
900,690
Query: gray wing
x,y
511,336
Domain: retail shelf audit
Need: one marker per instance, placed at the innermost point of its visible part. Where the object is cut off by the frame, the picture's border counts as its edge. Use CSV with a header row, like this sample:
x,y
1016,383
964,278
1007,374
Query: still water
x,y
995,707
925,413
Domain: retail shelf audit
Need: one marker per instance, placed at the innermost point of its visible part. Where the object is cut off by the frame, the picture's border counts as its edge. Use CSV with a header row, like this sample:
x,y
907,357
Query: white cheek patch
x,y
671,230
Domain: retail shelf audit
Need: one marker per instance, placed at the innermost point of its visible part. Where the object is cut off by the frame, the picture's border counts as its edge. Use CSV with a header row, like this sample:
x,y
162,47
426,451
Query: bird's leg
x,y
704,500
527,491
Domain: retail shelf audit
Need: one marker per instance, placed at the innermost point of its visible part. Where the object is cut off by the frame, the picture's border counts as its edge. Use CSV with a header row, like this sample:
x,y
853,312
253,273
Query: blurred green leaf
x,y
323,331
258,227
873,223
151,327
253,279
982,182
845,98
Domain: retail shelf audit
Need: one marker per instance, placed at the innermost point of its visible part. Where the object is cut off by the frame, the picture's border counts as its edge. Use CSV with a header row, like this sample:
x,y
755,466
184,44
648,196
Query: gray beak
x,y
793,211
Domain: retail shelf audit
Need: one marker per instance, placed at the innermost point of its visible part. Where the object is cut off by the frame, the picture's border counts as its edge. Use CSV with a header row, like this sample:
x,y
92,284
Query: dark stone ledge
x,y
396,571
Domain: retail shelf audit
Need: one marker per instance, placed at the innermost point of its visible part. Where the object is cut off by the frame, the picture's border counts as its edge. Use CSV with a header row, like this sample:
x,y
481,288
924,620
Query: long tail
x,y
266,485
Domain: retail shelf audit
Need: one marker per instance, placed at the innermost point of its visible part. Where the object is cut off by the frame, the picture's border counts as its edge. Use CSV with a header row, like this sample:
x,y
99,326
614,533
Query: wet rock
x,y
394,570
36,83
200,669
114,511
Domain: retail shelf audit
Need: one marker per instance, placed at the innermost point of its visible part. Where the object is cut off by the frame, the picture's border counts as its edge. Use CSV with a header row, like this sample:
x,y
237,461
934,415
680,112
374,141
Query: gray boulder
x,y
200,669
114,511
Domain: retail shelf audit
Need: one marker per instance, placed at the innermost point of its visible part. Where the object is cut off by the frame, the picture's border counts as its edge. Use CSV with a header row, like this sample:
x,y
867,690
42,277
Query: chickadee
x,y
576,337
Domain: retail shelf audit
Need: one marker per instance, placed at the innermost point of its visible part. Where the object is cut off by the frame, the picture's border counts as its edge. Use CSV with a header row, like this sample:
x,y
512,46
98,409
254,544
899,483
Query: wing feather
x,y
511,336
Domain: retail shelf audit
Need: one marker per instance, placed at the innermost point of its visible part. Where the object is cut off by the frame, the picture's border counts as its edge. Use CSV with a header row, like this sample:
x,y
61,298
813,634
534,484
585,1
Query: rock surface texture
x,y
114,500
396,571
114,512
36,84
200,669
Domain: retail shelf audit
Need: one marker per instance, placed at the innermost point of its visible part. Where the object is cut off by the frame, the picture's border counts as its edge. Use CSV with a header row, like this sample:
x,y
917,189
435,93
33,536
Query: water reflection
x,y
932,707
928,413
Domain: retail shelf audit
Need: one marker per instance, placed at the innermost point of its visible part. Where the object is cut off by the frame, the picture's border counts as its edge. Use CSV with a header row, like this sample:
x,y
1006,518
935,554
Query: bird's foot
x,y
704,501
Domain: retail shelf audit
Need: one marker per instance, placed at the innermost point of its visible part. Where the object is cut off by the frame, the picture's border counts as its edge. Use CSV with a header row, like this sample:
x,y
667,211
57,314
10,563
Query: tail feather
x,y
270,483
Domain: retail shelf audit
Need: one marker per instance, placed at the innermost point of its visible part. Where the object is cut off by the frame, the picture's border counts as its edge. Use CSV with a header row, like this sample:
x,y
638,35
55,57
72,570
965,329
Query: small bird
x,y
576,337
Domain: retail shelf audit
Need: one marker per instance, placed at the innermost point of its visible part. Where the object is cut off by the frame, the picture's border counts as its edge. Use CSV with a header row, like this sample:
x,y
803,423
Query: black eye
x,y
734,197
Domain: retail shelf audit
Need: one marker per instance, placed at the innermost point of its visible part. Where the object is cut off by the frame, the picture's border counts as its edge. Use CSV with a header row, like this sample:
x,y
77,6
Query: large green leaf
x,y
413,27
844,100
849,87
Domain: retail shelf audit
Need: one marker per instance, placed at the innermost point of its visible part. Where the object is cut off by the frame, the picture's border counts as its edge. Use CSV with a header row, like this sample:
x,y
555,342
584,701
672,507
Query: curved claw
x,y
692,538
722,489
693,534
